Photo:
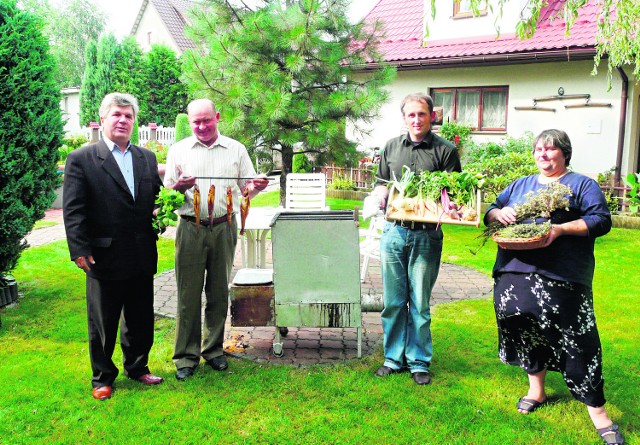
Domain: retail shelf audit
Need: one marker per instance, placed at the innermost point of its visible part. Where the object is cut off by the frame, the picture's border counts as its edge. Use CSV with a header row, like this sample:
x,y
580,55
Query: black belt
x,y
414,225
205,222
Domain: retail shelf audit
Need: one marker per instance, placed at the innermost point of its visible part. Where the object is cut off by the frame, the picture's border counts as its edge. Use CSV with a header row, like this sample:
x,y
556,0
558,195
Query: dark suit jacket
x,y
101,217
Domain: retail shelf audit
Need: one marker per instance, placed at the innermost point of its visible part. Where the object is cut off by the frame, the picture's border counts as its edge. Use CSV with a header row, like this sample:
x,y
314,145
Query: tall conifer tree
x,y
286,73
88,108
31,129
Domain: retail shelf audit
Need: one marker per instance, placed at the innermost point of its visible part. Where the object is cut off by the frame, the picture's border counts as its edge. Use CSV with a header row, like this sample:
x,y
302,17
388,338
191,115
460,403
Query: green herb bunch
x,y
169,200
428,185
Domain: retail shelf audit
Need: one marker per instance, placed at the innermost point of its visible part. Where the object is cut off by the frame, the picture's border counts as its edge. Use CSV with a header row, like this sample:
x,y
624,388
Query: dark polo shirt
x,y
433,153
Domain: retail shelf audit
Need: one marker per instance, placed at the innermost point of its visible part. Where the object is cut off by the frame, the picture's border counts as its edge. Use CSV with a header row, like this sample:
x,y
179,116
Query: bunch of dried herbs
x,y
539,204
525,230
542,203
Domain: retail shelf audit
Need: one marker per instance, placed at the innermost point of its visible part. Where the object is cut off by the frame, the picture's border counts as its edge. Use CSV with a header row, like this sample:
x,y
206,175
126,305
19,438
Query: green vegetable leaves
x,y
169,200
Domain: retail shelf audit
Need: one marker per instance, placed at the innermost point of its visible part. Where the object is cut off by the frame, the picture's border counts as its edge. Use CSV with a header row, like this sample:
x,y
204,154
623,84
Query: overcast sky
x,y
122,13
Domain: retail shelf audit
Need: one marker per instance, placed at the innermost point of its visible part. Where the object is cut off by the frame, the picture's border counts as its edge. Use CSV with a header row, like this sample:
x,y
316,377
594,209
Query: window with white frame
x,y
481,108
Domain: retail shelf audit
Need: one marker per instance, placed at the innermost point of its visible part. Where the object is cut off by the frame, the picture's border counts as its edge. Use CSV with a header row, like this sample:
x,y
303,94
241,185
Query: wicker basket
x,y
520,243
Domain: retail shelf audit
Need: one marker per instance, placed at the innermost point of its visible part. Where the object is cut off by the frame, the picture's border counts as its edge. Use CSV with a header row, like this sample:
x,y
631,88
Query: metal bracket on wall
x,y
586,97
587,104
561,97
535,107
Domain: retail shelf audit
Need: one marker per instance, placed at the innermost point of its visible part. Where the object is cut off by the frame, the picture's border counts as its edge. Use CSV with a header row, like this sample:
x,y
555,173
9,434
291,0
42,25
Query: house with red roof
x,y
501,85
163,22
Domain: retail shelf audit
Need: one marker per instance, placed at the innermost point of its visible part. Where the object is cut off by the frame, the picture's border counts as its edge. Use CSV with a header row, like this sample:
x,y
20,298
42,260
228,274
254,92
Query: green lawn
x,y
45,388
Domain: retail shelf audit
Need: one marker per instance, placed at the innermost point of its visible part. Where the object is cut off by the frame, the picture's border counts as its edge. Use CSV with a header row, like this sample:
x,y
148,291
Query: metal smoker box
x,y
316,271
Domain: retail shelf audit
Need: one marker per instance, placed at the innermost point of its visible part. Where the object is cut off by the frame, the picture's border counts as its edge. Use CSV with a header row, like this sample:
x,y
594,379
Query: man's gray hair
x,y
120,100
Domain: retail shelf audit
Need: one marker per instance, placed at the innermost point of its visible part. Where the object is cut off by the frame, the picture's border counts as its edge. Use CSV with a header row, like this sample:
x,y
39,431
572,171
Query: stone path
x,y
304,346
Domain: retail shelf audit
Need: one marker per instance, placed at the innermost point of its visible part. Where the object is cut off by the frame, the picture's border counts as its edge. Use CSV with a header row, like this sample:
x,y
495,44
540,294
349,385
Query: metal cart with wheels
x,y
316,272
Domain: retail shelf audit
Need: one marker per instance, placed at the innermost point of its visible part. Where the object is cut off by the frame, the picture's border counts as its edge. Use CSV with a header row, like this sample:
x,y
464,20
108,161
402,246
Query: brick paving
x,y
304,346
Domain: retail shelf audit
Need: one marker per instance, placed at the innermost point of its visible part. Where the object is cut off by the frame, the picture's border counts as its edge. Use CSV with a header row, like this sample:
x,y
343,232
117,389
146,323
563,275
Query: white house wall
x,y
152,31
70,107
593,131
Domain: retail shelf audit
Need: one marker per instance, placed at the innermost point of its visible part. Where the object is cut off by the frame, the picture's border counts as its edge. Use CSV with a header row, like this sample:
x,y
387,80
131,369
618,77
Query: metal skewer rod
x,y
229,177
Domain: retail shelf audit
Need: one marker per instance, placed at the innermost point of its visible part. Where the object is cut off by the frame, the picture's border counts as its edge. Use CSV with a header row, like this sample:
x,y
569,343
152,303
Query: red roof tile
x,y
404,31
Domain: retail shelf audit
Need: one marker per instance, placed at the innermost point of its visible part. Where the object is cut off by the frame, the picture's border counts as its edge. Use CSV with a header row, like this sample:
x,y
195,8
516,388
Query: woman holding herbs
x,y
543,297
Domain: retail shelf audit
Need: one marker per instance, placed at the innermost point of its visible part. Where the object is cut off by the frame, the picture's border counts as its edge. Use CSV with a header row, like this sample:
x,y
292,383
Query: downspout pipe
x,y
621,126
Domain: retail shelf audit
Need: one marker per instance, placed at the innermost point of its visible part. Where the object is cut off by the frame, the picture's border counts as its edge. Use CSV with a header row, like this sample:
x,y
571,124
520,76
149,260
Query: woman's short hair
x,y
558,139
417,97
120,100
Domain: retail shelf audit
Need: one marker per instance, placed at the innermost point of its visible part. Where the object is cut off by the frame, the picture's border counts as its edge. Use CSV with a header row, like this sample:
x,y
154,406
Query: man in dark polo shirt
x,y
410,252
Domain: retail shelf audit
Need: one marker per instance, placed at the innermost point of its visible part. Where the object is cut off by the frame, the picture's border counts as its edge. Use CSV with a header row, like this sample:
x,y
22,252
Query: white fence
x,y
165,135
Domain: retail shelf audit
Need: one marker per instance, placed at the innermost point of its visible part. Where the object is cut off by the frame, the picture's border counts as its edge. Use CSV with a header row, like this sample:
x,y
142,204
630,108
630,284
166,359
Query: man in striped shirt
x,y
204,255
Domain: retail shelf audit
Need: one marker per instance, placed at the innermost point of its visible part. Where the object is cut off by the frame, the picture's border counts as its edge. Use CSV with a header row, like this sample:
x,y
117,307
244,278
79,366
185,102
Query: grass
x,y
45,388
42,224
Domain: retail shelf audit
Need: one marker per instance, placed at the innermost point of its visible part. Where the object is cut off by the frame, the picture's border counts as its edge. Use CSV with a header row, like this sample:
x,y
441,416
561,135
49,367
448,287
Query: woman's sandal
x,y
611,435
529,405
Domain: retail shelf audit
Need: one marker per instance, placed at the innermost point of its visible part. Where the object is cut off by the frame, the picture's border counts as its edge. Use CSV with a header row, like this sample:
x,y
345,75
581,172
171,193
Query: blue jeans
x,y
410,262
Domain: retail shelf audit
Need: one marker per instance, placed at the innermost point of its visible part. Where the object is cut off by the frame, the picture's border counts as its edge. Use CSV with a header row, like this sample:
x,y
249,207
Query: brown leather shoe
x,y
102,392
150,379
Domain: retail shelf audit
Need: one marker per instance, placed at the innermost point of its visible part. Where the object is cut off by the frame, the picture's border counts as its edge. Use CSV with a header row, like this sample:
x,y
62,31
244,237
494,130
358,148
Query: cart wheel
x,y
283,331
277,350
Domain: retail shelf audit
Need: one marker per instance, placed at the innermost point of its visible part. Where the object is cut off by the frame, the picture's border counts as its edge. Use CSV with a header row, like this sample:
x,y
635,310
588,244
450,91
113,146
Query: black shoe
x,y
218,363
421,378
384,371
184,373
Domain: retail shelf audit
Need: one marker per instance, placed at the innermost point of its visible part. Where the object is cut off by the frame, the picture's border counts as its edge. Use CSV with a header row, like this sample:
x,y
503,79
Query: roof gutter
x,y
621,125
489,59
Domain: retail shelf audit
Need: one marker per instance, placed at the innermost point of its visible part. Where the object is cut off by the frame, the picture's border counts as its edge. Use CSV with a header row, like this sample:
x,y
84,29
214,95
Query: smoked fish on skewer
x,y
210,199
196,205
229,205
244,210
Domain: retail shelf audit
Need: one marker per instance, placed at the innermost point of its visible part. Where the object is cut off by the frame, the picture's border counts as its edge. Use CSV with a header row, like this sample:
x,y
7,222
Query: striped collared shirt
x,y
226,158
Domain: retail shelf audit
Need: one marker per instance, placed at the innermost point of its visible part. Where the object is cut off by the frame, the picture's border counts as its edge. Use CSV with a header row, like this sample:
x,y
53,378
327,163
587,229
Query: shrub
x,y
456,133
135,133
607,179
301,163
183,129
31,129
501,164
159,150
481,152
70,143
341,182
633,196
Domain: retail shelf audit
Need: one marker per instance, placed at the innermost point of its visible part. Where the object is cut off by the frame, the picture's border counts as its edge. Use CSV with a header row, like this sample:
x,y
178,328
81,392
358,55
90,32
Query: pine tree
x,y
284,74
31,129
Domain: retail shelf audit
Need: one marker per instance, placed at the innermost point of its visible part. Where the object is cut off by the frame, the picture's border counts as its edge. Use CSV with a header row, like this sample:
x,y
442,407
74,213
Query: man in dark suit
x,y
108,202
